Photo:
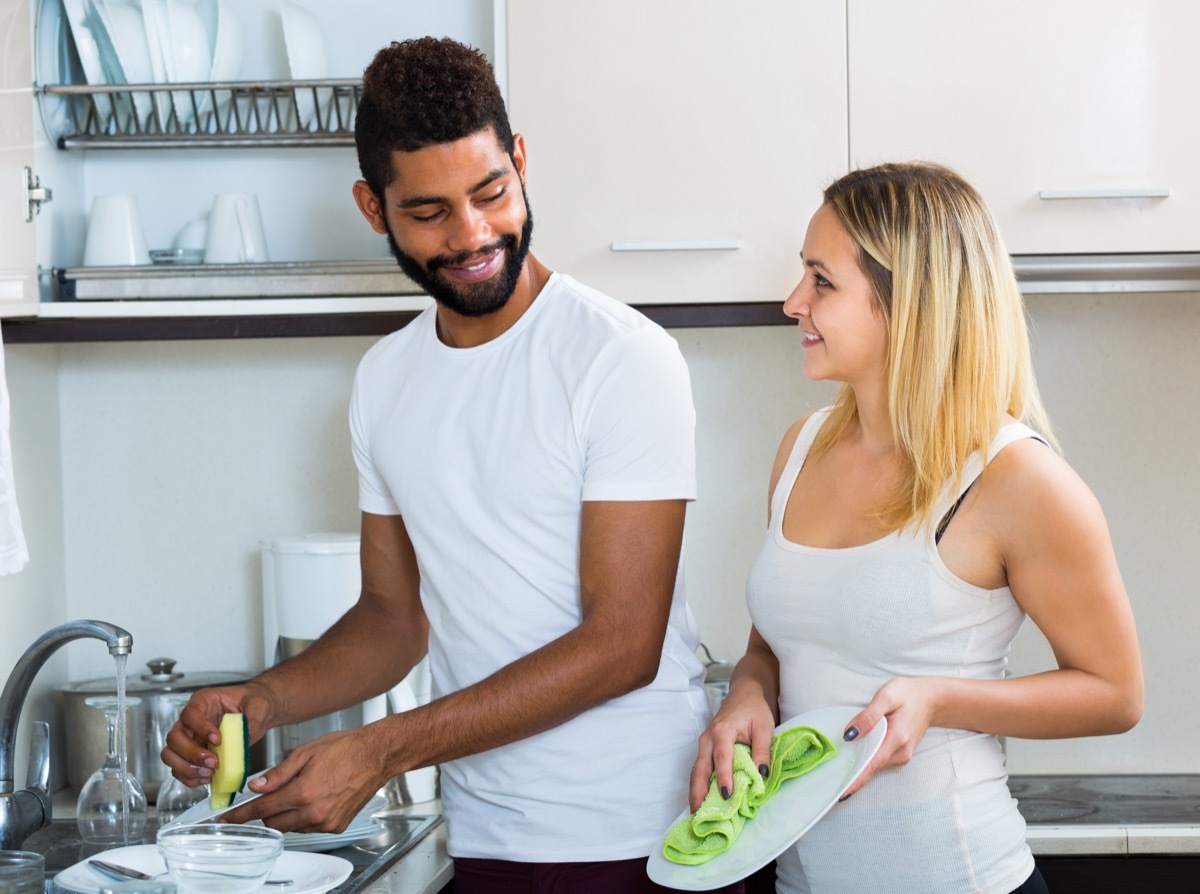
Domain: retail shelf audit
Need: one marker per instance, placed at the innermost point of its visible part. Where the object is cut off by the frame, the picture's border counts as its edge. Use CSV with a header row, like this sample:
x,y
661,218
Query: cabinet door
x,y
677,148
18,244
1075,118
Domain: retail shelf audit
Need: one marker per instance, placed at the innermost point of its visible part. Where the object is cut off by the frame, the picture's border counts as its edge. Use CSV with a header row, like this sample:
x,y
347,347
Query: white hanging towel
x,y
13,552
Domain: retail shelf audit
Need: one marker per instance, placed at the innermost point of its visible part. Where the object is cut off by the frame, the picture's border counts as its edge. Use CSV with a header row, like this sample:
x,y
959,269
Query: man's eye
x,y
426,218
491,198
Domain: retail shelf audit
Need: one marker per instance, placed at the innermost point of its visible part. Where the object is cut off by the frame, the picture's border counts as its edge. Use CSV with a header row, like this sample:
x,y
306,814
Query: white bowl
x,y
220,858
154,17
225,35
121,35
190,57
306,58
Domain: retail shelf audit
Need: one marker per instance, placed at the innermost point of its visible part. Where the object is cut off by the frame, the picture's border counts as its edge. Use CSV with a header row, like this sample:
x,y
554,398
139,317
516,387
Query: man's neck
x,y
457,331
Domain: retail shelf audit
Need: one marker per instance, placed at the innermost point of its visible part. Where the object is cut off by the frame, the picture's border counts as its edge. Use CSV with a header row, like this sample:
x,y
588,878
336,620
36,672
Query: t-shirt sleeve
x,y
374,496
638,421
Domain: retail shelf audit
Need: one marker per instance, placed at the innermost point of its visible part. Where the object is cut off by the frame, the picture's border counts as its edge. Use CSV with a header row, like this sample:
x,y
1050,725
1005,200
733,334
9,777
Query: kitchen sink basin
x,y
62,847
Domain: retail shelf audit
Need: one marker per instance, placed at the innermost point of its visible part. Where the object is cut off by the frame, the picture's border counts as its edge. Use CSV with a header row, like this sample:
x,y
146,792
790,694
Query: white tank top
x,y
842,622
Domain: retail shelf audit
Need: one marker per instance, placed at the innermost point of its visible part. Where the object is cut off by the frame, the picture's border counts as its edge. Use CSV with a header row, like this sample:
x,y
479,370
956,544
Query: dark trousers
x,y
1035,884
473,876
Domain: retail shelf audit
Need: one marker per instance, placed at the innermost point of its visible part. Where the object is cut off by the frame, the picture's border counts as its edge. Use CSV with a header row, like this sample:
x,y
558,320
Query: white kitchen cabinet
x,y
677,148
304,191
1075,118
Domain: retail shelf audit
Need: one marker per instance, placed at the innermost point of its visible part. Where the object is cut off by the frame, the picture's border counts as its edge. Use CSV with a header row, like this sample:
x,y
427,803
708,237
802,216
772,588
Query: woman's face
x,y
844,332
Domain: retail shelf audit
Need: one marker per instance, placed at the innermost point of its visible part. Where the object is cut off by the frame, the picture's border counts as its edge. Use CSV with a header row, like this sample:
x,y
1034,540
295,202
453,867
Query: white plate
x,y
310,873
203,812
790,812
364,825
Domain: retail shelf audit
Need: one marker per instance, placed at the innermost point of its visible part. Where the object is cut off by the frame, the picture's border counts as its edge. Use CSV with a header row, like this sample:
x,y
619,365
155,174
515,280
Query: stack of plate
x,y
143,42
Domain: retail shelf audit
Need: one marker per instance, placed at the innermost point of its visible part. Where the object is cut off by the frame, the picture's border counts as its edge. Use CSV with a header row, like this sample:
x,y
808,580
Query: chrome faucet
x,y
24,812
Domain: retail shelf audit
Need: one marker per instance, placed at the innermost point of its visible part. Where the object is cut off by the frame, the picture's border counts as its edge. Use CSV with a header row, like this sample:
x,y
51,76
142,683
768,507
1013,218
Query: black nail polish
x,y
763,770
725,793
851,734
843,798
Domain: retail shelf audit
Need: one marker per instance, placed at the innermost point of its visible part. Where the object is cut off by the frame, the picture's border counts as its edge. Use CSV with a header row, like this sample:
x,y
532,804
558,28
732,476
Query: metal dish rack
x,y
199,115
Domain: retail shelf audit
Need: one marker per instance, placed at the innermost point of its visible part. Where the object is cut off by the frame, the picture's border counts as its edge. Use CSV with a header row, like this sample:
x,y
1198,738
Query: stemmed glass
x,y
173,796
112,803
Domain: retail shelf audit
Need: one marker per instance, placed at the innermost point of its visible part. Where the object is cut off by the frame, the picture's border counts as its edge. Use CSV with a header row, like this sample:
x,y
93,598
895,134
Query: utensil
x,y
242,856
22,872
111,808
235,231
149,722
306,60
117,871
115,238
120,34
89,54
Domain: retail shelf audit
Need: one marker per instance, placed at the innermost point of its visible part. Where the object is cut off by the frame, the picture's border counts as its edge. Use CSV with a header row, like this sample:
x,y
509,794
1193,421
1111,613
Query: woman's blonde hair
x,y
958,355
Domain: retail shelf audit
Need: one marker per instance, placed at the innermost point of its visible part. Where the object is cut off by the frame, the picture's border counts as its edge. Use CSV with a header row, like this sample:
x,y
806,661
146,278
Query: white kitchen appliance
x,y
309,581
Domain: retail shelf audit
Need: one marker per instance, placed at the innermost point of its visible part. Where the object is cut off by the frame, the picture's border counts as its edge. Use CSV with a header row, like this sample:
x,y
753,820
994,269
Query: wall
x,y
177,458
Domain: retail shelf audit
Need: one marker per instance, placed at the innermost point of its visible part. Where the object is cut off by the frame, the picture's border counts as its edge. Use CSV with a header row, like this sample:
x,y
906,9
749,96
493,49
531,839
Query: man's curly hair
x,y
423,92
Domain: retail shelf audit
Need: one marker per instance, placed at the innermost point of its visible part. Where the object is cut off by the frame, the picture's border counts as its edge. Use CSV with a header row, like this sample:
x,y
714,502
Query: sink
x,y
62,847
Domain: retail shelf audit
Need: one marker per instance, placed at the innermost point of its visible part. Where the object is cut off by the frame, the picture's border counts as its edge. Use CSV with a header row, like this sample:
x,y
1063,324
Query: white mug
x,y
235,231
115,237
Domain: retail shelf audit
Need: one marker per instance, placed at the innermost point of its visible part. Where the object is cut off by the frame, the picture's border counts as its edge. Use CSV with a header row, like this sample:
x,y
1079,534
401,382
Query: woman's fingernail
x,y
725,793
851,734
763,770
844,798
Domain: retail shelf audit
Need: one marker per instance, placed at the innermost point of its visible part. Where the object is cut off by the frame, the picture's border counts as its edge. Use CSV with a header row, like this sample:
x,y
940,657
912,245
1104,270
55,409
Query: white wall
x,y
177,458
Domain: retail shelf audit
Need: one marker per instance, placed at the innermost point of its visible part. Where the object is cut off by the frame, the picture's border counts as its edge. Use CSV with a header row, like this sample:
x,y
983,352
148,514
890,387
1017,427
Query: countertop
x,y
1067,816
1117,815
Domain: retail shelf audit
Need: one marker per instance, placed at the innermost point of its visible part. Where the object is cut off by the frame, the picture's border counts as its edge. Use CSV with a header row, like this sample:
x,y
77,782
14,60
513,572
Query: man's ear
x,y
518,156
370,206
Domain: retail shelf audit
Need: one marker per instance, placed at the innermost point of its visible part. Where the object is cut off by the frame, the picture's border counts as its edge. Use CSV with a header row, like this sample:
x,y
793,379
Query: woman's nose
x,y
796,304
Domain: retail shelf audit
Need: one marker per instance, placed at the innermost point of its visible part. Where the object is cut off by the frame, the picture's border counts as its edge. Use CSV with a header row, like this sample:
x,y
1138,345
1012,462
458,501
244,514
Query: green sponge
x,y
233,761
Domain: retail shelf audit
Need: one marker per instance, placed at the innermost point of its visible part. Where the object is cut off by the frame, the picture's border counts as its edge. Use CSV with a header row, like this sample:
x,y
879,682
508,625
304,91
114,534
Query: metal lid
x,y
160,676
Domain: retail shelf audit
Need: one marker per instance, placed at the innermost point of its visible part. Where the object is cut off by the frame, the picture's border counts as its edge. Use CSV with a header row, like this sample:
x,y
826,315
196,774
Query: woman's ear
x,y
370,205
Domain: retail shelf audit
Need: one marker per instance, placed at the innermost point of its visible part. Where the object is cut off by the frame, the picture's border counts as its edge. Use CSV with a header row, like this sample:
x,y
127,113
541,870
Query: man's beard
x,y
470,299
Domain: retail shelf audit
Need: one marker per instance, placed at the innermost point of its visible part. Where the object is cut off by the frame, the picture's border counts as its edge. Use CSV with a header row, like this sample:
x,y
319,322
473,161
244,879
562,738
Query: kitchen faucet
x,y
23,813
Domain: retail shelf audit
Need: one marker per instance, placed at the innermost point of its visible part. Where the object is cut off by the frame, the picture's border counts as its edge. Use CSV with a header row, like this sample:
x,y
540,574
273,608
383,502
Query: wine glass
x,y
112,803
173,796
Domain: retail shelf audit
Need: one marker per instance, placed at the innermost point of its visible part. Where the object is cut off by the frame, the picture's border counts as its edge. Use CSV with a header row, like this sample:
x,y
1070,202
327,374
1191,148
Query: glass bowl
x,y
219,858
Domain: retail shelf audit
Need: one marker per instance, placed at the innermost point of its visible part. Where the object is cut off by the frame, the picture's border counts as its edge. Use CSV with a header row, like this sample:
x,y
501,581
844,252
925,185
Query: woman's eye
x,y
820,280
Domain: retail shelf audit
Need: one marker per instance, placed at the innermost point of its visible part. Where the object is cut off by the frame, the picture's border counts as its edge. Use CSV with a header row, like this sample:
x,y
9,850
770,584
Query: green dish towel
x,y
717,823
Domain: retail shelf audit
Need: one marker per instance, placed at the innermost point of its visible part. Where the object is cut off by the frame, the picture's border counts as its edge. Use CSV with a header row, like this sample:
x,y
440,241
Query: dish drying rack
x,y
199,115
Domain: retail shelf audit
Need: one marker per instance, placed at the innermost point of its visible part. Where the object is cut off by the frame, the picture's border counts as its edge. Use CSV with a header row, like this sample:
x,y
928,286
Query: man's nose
x,y
471,230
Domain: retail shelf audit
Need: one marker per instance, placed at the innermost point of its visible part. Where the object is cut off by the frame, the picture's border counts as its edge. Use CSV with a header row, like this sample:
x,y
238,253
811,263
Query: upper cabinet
x,y
676,149
1076,119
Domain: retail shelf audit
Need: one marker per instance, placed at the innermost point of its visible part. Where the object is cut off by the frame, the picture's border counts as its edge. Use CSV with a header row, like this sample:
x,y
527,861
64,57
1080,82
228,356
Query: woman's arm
x,y
1057,555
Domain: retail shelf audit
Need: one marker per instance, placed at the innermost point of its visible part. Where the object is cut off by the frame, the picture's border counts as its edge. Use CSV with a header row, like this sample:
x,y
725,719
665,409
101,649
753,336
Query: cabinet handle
x,y
1149,192
712,245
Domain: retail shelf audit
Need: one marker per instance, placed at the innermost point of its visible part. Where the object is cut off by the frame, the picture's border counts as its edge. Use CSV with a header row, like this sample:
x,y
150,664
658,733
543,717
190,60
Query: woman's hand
x,y
908,703
744,717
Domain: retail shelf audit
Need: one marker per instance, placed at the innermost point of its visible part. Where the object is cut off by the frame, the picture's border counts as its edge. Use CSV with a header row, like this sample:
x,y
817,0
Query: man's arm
x,y
629,556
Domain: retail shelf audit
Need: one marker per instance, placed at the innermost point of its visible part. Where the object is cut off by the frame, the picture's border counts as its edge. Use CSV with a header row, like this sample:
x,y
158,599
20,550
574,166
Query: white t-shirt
x,y
488,453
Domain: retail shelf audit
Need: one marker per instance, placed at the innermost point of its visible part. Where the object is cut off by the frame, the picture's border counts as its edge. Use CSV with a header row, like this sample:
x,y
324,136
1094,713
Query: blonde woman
x,y
912,527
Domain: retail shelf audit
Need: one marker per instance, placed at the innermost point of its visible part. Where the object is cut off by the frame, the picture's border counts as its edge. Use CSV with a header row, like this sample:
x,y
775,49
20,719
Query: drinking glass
x,y
112,803
21,872
173,796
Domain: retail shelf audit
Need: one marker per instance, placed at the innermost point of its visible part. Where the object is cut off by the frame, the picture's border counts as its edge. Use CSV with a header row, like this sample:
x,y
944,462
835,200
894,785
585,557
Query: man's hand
x,y
321,786
187,752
